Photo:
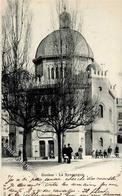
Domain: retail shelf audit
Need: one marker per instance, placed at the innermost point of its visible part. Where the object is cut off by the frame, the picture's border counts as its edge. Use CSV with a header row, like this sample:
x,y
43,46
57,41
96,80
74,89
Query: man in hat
x,y
69,153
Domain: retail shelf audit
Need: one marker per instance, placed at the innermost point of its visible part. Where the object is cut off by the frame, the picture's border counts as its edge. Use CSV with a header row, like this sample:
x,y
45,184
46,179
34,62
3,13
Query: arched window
x,y
52,73
101,141
49,110
65,72
100,115
38,78
120,115
119,139
48,73
61,72
57,73
110,114
120,129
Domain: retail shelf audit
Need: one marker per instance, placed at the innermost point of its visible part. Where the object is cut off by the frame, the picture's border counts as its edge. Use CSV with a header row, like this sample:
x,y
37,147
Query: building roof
x,y
95,66
64,42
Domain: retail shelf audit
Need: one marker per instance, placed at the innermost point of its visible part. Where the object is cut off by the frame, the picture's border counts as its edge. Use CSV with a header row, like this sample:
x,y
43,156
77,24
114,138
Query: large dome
x,y
64,42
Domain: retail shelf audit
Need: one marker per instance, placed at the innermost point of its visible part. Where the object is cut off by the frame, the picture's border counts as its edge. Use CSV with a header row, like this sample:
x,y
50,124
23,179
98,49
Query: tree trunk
x,y
24,149
59,136
91,140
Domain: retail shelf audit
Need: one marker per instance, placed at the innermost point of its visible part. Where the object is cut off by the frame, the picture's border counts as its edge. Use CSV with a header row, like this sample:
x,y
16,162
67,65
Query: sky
x,y
101,26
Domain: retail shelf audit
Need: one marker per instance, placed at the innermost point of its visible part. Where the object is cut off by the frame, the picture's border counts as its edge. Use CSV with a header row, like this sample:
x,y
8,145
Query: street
x,y
84,177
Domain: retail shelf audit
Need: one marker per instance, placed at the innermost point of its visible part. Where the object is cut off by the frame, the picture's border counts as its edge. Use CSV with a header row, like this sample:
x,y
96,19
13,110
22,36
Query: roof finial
x,y
64,18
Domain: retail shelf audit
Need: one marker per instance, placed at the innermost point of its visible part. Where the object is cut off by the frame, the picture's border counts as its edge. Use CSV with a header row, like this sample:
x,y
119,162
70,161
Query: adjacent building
x,y
119,122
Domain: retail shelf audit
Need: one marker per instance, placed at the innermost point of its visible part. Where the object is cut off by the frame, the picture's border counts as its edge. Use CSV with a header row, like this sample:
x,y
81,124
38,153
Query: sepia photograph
x,y
61,98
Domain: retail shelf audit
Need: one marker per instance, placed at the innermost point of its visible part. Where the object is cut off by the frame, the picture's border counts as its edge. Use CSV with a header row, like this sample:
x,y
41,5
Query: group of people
x,y
105,153
67,153
79,154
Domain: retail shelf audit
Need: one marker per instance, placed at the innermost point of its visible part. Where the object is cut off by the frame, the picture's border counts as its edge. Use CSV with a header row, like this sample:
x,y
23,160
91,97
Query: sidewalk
x,y
37,160
52,165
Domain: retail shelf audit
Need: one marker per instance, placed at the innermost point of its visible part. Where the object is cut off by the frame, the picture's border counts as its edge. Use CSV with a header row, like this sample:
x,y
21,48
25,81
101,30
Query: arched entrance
x,y
50,147
42,148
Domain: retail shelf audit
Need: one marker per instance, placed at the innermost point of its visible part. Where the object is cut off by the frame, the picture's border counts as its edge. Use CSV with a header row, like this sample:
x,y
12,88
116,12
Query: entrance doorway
x,y
42,148
51,147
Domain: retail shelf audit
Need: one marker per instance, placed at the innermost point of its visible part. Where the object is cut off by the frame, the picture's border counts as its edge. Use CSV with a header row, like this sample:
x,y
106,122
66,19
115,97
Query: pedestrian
x,y
116,151
96,154
105,154
109,151
64,152
76,155
80,151
19,154
100,154
93,154
69,153
52,154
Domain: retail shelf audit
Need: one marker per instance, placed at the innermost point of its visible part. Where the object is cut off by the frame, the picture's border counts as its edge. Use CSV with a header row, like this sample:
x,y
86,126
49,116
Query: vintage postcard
x,y
61,98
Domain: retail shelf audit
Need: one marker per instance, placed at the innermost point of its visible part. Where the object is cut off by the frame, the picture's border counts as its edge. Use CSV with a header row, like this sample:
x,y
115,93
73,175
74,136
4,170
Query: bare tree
x,y
69,108
16,80
70,100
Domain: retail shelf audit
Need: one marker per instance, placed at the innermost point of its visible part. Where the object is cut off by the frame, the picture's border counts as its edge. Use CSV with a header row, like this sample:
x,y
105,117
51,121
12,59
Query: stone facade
x,y
102,133
119,122
104,127
49,69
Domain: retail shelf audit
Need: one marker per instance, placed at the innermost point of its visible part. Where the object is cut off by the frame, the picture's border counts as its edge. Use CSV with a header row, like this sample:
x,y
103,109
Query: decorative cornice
x,y
41,58
101,131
